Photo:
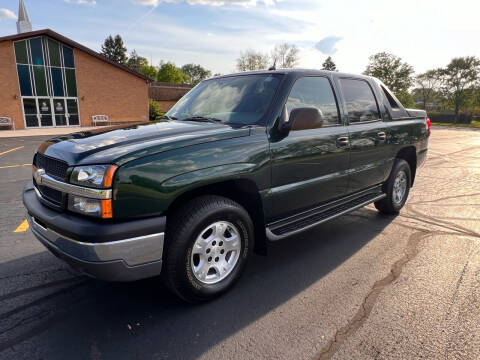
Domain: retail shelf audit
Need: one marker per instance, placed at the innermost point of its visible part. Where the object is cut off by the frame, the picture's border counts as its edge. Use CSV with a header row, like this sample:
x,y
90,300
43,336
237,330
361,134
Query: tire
x,y
396,194
195,268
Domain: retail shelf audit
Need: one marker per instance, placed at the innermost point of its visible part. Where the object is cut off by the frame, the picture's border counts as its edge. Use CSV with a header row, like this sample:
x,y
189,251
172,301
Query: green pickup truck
x,y
240,161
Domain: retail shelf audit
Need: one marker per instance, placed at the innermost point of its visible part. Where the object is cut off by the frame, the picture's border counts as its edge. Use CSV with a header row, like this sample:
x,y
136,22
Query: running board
x,y
283,229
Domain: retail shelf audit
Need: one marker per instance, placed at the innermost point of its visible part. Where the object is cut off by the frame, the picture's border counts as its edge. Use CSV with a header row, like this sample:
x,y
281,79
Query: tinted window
x,y
57,81
40,80
241,100
314,92
71,82
360,101
24,79
21,52
68,60
37,51
54,51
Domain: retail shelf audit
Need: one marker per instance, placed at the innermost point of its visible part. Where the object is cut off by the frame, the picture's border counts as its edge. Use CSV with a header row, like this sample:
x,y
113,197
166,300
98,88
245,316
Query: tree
x,y
196,73
154,110
136,62
458,81
251,60
405,98
114,49
427,85
168,72
328,64
285,56
394,73
149,71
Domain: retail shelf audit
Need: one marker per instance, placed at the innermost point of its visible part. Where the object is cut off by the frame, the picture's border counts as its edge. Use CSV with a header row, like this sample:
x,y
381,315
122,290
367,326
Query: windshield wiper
x,y
203,119
168,117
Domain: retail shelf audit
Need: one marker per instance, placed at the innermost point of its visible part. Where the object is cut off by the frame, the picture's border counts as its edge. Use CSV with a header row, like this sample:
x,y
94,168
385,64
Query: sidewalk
x,y
43,132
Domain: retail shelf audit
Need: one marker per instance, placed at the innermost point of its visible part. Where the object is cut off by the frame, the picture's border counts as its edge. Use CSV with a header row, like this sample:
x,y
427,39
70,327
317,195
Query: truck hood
x,y
125,143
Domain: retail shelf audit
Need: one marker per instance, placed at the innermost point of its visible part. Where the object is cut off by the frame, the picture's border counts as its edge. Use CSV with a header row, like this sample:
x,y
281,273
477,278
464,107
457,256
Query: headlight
x,y
91,207
97,176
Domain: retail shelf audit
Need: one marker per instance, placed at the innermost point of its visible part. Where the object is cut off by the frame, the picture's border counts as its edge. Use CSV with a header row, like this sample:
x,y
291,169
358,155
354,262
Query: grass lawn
x,y
473,124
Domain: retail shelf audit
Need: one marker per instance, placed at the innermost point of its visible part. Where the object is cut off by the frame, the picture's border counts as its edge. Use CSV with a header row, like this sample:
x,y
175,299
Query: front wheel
x,y
208,243
397,189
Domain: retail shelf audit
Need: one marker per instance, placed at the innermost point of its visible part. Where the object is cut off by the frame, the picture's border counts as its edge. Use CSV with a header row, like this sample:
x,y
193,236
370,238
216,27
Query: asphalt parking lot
x,y
361,287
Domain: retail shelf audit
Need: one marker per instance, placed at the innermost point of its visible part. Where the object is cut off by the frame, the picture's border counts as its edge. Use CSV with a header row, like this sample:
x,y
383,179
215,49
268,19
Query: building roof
x,y
52,34
162,91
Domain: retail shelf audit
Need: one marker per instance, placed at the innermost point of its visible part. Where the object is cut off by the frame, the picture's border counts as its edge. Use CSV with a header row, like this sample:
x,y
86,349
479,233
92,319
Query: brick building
x,y
167,94
48,80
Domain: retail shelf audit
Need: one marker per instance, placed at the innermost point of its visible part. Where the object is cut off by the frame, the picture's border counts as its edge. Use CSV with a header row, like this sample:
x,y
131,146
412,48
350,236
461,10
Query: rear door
x,y
309,166
367,131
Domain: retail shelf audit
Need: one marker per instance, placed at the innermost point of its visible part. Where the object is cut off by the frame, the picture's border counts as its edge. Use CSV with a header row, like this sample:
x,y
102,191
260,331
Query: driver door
x,y
309,166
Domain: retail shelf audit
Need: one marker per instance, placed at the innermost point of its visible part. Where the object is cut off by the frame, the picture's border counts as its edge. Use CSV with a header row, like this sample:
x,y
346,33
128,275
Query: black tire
x,y
388,205
185,226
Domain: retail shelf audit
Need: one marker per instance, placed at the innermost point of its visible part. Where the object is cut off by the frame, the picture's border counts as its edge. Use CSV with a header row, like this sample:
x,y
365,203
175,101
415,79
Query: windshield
x,y
236,100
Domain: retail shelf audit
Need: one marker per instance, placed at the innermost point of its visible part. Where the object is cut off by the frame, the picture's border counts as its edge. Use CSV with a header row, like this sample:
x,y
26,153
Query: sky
x,y
425,33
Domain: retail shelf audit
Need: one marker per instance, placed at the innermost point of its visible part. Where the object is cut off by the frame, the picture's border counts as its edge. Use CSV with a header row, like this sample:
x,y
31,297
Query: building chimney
x,y
23,24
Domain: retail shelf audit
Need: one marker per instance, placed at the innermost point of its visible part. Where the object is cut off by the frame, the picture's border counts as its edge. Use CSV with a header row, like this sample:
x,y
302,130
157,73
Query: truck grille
x,y
52,195
53,167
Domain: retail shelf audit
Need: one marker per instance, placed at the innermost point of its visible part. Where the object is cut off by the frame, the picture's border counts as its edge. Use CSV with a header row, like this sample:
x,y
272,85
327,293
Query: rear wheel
x,y
208,243
397,189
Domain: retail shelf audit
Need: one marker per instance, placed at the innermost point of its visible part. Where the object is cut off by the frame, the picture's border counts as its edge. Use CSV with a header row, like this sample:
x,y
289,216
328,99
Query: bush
x,y
155,111
449,117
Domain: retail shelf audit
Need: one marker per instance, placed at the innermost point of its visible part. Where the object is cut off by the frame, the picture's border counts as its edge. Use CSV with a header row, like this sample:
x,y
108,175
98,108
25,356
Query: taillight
x,y
429,125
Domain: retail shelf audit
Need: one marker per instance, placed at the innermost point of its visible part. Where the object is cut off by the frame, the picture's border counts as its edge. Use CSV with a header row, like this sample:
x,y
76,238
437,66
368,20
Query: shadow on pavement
x,y
142,320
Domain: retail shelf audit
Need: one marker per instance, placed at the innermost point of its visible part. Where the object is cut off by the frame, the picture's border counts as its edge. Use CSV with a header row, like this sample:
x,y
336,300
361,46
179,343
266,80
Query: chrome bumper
x,y
122,260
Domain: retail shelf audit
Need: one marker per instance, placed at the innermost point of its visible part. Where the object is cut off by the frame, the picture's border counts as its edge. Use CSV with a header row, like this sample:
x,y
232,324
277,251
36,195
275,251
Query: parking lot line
x,y
17,148
14,166
22,227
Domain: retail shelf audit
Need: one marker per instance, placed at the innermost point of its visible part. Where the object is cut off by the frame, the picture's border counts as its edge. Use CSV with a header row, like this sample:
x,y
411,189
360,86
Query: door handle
x,y
382,135
342,141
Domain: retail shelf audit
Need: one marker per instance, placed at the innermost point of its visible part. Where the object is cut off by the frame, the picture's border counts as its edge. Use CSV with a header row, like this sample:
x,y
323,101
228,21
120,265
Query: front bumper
x,y
123,251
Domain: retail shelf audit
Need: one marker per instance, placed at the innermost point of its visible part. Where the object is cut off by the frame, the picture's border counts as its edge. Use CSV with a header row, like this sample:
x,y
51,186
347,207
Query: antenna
x,y
274,66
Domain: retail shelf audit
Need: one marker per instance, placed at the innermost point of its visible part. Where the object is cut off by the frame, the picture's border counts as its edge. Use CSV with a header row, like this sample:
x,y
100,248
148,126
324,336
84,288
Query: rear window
x,y
360,101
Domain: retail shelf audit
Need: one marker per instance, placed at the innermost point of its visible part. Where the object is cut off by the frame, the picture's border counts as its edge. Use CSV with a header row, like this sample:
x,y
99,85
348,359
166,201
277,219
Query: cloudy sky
x,y
425,33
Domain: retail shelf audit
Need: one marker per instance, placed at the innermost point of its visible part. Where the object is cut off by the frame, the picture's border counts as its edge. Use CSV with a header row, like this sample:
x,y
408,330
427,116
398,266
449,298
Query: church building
x,y
49,80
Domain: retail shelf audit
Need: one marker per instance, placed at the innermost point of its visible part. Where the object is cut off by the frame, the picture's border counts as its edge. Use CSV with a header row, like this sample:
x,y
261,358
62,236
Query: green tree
x,y
252,60
114,49
196,73
154,110
136,62
458,81
405,98
285,55
328,64
168,72
427,84
394,73
149,71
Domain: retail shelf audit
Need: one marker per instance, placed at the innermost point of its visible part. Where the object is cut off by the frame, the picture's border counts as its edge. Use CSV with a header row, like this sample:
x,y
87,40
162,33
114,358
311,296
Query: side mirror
x,y
305,118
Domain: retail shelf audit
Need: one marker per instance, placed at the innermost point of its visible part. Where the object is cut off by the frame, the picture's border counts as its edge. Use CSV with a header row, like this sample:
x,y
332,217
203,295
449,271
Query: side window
x,y
360,101
397,109
316,92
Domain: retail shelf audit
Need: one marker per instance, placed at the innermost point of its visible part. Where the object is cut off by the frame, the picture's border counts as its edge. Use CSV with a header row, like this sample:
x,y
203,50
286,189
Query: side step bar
x,y
282,229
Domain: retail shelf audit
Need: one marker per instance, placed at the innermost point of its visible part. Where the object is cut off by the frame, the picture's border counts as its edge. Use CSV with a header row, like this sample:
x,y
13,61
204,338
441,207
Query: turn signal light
x,y
107,212
108,181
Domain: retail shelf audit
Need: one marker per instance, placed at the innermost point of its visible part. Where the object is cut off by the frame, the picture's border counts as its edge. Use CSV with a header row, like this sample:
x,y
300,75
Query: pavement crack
x,y
370,300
